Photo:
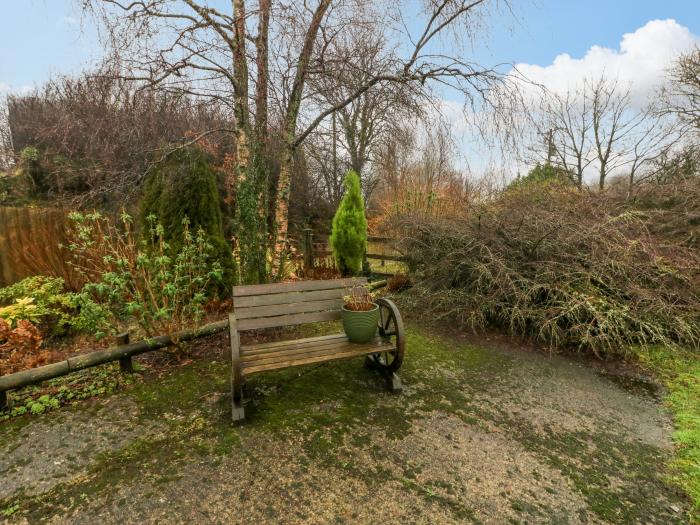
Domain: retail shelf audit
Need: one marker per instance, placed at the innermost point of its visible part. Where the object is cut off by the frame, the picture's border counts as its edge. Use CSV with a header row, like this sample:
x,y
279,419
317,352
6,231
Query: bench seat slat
x,y
309,357
254,312
305,286
312,352
327,346
288,342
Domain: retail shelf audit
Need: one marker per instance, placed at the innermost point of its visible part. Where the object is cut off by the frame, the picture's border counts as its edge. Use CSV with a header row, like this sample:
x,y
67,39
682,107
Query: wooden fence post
x,y
308,249
126,365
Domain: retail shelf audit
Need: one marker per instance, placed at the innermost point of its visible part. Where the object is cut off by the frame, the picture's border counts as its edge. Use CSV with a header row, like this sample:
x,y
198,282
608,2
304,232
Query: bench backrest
x,y
282,304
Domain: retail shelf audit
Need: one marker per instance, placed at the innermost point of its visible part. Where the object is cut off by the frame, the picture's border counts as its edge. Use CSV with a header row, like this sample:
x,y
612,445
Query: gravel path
x,y
484,433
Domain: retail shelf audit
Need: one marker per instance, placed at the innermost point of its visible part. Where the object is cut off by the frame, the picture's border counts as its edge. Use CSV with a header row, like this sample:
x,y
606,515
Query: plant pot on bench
x,y
360,315
360,326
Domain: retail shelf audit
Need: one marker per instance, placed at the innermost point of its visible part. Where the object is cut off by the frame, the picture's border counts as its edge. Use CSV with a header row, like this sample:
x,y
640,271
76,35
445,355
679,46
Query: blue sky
x,y
39,38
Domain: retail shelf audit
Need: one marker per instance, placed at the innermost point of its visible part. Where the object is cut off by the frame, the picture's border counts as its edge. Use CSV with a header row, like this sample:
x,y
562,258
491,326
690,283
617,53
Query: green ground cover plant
x,y
680,371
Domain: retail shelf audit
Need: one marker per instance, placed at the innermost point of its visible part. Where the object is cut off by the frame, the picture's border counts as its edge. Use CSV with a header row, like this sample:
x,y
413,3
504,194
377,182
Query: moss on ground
x,y
680,371
337,409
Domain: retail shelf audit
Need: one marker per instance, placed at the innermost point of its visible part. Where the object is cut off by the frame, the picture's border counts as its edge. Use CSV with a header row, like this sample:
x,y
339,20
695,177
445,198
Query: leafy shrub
x,y
5,187
21,309
348,238
32,168
161,289
185,185
566,267
44,301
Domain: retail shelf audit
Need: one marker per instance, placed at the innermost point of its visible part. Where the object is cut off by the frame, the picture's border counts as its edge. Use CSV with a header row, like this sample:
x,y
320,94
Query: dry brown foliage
x,y
20,347
570,268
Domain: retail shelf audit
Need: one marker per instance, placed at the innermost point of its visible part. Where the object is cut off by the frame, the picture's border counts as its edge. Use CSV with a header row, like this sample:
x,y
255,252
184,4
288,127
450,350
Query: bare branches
x,y
597,127
682,98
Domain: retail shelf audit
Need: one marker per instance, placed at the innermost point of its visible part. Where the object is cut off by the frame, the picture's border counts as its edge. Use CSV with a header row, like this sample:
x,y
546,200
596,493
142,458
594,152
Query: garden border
x,y
122,353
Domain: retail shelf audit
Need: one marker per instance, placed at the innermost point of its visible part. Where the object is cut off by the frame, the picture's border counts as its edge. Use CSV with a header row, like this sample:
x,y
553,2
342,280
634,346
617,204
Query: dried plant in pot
x,y
360,315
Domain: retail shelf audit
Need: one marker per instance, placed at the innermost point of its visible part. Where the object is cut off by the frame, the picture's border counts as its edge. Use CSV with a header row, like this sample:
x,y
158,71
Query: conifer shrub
x,y
348,238
184,185
543,174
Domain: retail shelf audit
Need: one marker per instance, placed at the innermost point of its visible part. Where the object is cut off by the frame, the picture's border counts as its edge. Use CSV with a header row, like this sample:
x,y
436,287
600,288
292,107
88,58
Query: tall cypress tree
x,y
349,235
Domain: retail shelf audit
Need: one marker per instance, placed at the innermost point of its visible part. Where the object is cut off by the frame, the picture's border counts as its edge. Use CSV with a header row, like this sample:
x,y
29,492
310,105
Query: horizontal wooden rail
x,y
99,357
383,257
324,253
380,239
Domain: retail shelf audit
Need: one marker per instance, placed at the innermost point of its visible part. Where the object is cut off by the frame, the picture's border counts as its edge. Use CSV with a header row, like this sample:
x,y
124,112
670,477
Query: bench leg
x,y
237,409
4,403
393,381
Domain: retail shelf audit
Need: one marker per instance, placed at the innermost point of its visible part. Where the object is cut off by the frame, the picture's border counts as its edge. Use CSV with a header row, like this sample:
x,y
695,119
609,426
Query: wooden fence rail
x,y
122,353
313,249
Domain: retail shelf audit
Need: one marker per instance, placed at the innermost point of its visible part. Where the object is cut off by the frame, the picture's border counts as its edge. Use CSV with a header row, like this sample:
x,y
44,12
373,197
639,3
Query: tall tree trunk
x,y
262,63
290,124
240,93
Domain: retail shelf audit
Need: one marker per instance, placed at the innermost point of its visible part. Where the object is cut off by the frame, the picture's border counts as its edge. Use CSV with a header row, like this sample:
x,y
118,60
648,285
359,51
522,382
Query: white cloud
x,y
641,61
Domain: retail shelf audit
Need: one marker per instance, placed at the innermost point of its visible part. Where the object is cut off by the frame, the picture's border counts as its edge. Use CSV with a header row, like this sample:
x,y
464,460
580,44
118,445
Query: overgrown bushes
x,y
161,288
567,267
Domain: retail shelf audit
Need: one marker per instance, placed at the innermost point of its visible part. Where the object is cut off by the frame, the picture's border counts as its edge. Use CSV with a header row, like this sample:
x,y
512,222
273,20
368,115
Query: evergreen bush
x,y
185,185
348,238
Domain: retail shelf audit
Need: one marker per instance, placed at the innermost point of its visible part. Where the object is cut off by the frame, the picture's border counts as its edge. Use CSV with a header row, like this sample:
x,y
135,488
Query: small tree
x,y
184,185
349,235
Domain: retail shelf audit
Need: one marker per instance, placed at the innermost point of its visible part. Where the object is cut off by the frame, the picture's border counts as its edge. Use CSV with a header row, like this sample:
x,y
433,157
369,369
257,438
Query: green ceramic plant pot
x,y
360,327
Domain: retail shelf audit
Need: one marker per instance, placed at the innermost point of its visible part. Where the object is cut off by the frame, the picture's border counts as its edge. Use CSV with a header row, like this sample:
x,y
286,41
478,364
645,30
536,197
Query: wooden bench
x,y
285,304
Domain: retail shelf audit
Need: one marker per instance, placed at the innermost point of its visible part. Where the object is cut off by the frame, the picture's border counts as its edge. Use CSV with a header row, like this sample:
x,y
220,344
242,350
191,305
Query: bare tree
x,y
6,147
352,137
682,97
626,139
570,124
190,46
597,127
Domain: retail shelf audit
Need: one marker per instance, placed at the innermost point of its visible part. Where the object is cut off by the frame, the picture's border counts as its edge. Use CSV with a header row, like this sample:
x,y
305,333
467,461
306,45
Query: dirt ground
x,y
483,433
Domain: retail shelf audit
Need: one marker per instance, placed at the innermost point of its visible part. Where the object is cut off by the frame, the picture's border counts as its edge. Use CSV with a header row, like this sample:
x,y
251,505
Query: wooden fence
x,y
315,250
29,243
